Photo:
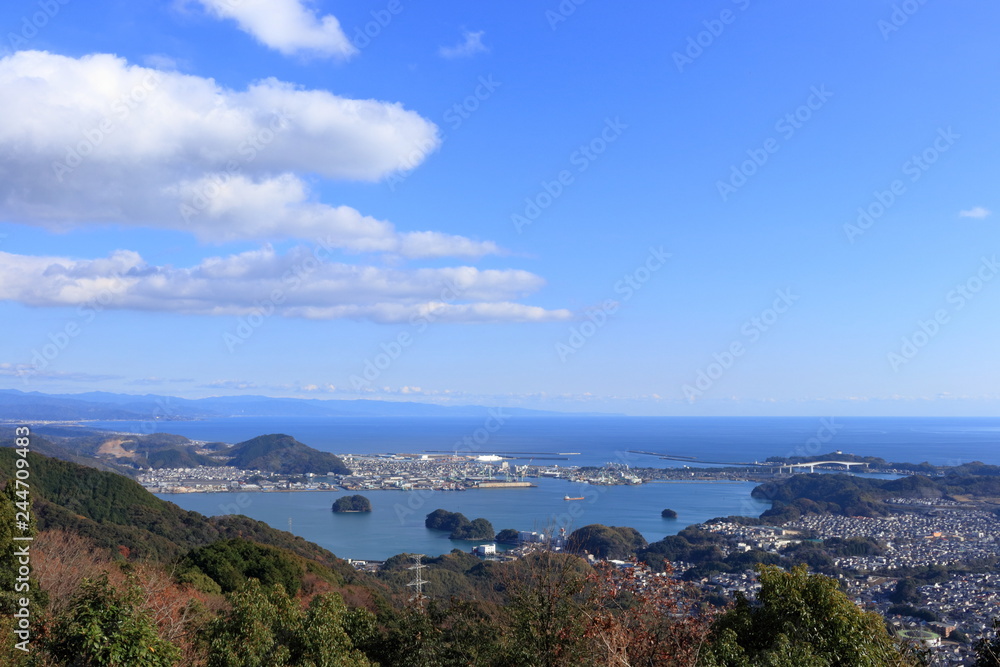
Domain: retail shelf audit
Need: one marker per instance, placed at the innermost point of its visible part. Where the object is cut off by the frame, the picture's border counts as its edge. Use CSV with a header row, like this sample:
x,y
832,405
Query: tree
x,y
802,620
606,541
507,535
267,628
638,617
229,563
352,504
105,626
905,592
477,529
441,519
988,648
459,525
543,621
13,505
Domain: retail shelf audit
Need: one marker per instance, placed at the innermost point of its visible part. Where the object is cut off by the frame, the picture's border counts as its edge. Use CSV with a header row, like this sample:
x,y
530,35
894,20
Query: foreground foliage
x,y
266,628
107,626
802,620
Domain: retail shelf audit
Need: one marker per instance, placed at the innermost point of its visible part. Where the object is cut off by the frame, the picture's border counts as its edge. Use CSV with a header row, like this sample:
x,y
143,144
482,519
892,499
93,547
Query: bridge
x,y
812,465
755,464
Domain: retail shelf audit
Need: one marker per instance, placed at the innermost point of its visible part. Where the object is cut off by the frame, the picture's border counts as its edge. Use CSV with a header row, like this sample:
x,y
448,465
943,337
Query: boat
x,y
568,498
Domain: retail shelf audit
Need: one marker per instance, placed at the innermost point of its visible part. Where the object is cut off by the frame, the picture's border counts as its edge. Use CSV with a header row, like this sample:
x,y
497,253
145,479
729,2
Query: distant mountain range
x,y
104,406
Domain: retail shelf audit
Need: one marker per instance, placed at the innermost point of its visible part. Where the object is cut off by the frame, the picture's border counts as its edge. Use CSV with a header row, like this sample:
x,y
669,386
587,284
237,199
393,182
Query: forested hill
x,y
115,511
284,454
852,495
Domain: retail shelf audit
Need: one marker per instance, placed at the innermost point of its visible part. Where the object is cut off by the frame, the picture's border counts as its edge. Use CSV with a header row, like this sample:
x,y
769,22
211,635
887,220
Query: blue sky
x,y
725,208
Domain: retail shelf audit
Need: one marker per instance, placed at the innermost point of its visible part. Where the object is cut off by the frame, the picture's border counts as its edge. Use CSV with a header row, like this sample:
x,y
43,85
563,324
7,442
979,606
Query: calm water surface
x,y
396,523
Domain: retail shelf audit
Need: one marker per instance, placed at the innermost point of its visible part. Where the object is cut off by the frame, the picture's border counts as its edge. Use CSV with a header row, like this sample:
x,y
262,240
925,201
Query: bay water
x,y
396,523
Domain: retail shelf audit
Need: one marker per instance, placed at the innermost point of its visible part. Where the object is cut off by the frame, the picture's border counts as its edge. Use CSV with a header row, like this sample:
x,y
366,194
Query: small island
x,y
668,514
508,536
352,504
459,526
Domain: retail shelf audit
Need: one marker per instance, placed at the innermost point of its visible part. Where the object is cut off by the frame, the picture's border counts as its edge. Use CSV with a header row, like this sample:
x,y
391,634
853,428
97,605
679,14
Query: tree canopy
x,y
459,526
606,541
802,620
354,503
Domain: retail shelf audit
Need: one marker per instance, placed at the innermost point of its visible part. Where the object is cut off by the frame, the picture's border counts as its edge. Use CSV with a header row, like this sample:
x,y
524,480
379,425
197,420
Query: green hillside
x,y
114,511
284,454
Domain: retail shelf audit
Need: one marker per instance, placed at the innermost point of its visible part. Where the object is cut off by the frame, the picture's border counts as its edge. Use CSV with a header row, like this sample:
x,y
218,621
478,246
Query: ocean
x,y
942,441
396,524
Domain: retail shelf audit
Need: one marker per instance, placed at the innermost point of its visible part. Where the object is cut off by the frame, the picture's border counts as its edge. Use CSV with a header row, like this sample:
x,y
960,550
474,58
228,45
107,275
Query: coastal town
x,y
955,611
387,472
421,471
950,615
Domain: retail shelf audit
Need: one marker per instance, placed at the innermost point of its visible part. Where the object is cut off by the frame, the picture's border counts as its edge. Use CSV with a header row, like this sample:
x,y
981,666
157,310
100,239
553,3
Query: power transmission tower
x,y
418,581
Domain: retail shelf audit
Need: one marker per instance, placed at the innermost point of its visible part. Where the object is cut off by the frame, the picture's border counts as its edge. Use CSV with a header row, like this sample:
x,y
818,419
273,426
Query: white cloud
x,y
977,212
471,45
158,381
95,140
161,61
301,283
230,384
29,372
287,26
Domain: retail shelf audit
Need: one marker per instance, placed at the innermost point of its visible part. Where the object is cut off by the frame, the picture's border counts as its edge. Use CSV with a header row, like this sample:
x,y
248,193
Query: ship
x,y
568,498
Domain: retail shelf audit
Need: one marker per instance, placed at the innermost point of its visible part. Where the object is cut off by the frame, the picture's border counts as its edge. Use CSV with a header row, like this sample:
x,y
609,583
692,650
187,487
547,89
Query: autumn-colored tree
x,y
639,617
61,560
178,610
